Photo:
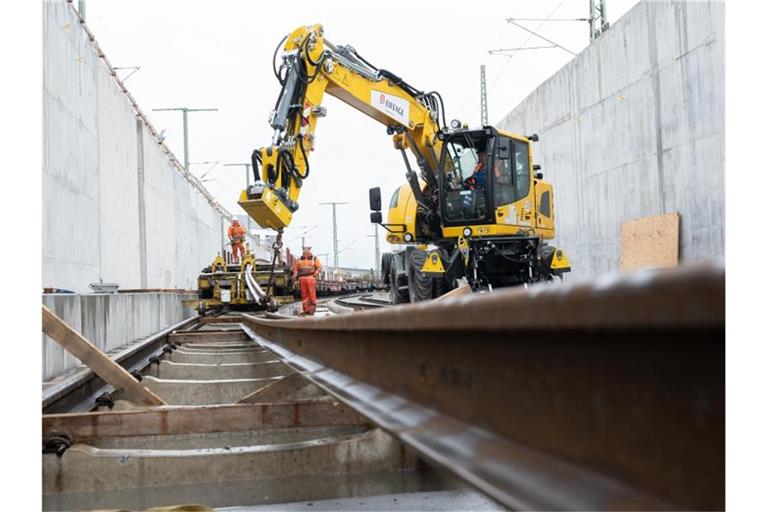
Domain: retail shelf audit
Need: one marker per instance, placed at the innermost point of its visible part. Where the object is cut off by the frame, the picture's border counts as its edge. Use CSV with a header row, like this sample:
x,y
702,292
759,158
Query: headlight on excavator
x,y
408,237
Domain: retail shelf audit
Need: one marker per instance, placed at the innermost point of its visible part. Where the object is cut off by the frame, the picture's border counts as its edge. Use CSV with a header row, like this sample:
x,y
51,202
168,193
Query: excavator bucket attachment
x,y
267,210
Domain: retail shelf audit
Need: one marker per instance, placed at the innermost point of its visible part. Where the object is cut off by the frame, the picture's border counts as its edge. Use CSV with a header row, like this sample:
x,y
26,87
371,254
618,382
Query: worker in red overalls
x,y
306,269
236,234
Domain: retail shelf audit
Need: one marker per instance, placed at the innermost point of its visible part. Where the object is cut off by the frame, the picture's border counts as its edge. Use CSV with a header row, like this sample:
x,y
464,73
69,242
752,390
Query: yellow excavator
x,y
474,207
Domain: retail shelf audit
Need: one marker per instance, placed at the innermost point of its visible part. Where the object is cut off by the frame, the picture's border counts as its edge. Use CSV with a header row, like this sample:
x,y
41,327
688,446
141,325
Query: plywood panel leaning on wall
x,y
650,242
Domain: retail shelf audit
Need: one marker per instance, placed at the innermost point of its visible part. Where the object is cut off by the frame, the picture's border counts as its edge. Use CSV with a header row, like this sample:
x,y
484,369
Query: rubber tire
x,y
419,284
395,295
386,265
439,287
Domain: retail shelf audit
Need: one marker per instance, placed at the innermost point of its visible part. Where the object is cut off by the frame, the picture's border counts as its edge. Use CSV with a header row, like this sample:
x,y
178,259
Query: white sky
x,y
217,54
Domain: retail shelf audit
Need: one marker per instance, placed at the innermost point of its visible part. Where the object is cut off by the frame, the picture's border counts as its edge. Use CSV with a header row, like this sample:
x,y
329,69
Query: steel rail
x,y
256,291
77,392
602,395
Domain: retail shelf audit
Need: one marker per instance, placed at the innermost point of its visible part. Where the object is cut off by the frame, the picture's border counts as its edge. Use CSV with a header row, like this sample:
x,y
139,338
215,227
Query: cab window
x,y
393,201
464,177
512,179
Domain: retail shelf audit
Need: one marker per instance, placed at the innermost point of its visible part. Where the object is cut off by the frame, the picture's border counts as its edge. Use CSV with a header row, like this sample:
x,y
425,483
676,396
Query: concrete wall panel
x,y
109,321
632,127
91,197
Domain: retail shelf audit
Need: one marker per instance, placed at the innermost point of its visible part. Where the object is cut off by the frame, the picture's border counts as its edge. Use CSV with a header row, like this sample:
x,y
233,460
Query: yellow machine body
x,y
221,285
560,262
433,264
268,210
311,67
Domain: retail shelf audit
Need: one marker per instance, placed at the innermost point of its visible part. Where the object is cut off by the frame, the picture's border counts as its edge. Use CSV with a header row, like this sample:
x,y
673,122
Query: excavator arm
x,y
311,67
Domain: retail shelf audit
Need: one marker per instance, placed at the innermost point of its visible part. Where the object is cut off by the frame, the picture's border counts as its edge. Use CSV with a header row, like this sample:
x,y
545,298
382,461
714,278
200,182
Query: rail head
x,y
604,395
684,297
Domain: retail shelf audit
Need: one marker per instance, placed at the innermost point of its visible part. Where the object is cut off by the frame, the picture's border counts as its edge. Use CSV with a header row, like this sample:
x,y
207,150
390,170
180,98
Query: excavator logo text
x,y
393,106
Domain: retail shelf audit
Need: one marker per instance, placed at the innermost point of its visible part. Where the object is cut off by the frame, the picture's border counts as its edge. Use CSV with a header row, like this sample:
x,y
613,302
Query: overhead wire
x,y
498,41
510,57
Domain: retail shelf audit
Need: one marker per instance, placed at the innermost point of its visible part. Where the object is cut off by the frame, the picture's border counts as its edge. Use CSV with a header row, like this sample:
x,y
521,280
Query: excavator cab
x,y
486,184
464,188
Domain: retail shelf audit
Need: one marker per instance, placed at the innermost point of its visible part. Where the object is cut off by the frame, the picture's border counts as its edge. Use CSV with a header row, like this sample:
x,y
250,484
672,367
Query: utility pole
x,y
598,20
335,234
483,105
185,111
377,253
247,166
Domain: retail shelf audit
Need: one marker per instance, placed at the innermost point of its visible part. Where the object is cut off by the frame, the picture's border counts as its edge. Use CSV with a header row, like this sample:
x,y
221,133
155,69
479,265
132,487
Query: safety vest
x,y
236,233
307,266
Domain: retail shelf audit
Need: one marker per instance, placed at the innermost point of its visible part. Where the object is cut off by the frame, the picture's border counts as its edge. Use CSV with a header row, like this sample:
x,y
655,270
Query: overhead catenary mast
x,y
598,20
335,233
483,98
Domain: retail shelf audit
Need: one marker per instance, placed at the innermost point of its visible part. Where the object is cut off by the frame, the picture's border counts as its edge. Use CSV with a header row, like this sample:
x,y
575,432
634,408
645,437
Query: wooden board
x,y
111,372
650,242
83,427
462,289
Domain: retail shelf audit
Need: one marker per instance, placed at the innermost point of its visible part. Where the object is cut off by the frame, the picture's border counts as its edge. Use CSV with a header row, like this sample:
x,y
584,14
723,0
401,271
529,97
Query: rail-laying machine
x,y
244,286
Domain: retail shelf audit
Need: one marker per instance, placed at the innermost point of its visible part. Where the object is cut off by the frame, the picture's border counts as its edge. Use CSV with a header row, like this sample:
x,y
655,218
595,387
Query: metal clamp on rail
x,y
57,442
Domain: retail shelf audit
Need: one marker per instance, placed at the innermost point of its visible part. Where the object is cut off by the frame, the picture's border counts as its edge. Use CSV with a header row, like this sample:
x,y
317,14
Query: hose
x,y
255,162
306,161
274,57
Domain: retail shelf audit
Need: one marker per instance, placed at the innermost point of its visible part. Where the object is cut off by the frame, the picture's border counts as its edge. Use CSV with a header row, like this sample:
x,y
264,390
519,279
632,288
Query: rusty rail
x,y
603,395
78,391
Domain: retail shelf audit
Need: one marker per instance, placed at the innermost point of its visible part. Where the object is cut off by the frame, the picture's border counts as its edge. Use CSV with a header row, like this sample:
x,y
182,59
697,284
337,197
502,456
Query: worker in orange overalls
x,y
307,268
236,234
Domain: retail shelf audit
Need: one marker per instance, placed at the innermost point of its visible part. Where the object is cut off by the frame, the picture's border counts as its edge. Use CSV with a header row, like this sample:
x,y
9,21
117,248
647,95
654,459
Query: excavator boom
x,y
312,66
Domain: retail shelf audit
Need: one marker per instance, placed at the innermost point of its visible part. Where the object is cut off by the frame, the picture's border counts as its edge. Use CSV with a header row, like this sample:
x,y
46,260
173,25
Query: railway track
x,y
606,395
241,429
362,301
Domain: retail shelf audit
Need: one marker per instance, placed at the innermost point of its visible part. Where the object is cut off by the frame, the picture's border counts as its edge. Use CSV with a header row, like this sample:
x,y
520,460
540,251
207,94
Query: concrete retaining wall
x,y
115,207
110,321
634,126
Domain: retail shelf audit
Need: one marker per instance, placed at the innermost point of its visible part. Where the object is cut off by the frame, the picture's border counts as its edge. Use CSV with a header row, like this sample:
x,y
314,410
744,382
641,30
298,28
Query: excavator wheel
x,y
386,265
396,295
419,284
439,287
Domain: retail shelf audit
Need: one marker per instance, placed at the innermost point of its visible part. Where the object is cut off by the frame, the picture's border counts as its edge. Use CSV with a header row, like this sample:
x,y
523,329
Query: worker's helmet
x,y
235,221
